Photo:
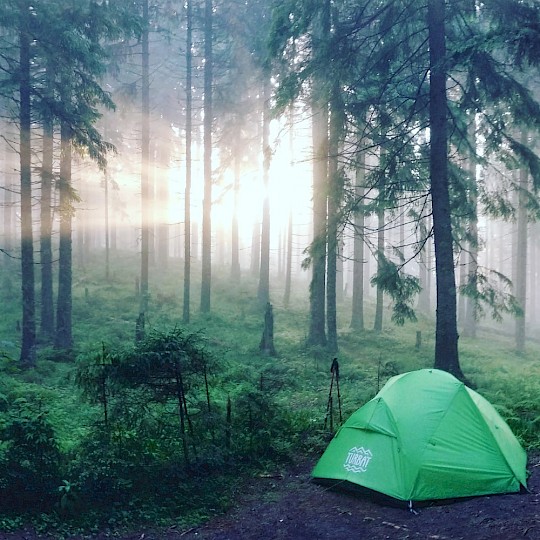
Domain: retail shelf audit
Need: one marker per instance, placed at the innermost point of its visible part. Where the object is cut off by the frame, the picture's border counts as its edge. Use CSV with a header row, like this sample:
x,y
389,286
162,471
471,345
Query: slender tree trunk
x,y
207,202
317,290
145,167
263,293
446,336
521,257
378,322
8,201
462,300
162,200
317,333
189,135
255,249
235,242
357,317
28,342
47,302
469,328
63,338
334,200
288,263
107,226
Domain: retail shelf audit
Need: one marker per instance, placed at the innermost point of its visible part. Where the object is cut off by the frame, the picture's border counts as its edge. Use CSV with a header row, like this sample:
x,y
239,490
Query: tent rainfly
x,y
424,436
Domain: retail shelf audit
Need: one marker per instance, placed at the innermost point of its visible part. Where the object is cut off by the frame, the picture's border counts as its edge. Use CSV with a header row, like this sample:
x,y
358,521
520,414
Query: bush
x,y
30,465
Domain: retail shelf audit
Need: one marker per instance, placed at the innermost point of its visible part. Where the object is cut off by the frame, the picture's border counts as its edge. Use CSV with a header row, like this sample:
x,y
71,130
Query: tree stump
x,y
267,341
139,328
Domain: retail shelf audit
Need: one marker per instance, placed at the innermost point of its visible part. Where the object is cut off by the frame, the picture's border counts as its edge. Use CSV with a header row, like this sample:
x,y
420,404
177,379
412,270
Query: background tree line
x,y
422,124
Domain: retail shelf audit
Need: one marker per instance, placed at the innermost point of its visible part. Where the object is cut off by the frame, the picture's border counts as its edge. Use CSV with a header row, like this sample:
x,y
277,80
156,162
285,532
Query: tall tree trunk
x,y
28,341
289,240
162,200
334,200
288,263
63,338
8,200
47,302
145,167
317,289
462,300
235,242
521,256
357,317
446,336
106,204
378,322
319,121
263,293
255,249
206,278
469,328
189,136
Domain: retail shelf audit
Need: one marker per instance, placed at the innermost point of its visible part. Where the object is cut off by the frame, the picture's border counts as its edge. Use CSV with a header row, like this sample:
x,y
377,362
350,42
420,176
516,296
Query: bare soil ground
x,y
292,507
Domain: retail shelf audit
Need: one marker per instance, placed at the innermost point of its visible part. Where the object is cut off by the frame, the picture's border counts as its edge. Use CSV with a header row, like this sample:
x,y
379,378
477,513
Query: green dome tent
x,y
425,436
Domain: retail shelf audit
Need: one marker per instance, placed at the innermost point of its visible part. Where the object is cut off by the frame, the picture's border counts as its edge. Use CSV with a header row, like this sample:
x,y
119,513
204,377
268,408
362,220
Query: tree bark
x,y
469,328
263,293
63,338
189,135
334,200
378,322
145,164
521,255
206,277
28,341
446,336
235,242
317,289
357,317
47,302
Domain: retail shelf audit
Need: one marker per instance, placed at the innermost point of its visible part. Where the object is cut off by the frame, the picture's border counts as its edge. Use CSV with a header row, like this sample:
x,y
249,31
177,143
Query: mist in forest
x,y
226,139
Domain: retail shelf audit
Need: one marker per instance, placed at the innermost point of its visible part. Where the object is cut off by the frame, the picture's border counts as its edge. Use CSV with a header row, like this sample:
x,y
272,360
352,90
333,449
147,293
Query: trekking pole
x,y
335,370
329,404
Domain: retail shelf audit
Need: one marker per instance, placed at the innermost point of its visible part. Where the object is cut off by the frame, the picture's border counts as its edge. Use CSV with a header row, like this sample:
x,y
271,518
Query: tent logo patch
x,y
358,459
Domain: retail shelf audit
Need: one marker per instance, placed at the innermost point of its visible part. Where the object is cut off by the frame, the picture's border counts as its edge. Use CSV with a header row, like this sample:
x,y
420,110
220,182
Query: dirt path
x,y
292,507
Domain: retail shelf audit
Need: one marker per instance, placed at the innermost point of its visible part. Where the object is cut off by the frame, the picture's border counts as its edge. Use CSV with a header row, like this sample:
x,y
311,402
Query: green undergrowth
x,y
109,436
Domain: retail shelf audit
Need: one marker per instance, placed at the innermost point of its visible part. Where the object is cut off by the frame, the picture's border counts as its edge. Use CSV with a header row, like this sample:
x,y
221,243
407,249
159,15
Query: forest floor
x,y
290,506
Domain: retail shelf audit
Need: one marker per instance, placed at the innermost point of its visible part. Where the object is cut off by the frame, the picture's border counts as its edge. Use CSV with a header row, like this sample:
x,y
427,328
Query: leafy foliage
x,y
30,458
402,289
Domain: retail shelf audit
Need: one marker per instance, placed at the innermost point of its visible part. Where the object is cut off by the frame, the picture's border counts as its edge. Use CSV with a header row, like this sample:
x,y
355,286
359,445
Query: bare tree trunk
x,y
47,302
28,342
8,200
317,333
357,317
446,336
235,242
162,200
189,135
378,322
469,328
63,338
255,249
334,200
288,264
521,256
263,293
145,166
320,104
107,226
206,277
